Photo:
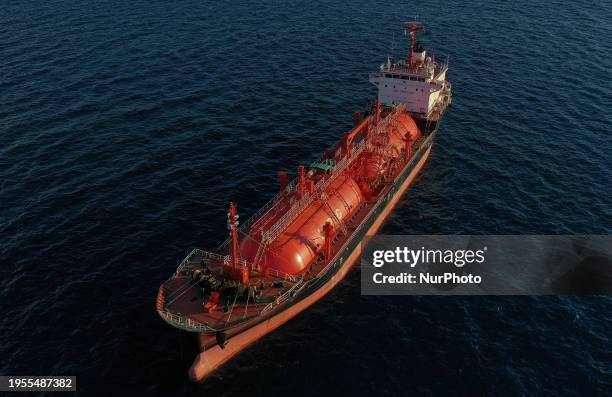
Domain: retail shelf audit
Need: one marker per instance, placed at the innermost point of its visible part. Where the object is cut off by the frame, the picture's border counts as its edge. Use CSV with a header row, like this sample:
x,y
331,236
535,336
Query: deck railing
x,y
286,219
178,320
260,214
184,322
283,297
336,170
339,254
200,254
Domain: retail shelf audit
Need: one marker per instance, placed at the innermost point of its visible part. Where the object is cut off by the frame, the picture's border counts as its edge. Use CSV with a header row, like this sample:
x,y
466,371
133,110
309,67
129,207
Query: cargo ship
x,y
300,244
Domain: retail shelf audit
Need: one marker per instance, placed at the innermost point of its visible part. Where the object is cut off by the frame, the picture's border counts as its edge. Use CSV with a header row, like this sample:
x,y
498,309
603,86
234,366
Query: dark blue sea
x,y
126,127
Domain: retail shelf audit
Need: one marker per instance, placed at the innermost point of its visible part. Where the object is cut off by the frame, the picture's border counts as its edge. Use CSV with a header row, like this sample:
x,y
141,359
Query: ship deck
x,y
182,299
185,298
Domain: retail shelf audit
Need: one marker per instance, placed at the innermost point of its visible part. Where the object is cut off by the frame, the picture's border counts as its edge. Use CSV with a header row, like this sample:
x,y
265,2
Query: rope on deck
x,y
247,304
182,293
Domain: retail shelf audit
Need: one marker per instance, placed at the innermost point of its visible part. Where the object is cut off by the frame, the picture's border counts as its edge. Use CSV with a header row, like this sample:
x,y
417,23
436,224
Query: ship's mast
x,y
412,27
231,220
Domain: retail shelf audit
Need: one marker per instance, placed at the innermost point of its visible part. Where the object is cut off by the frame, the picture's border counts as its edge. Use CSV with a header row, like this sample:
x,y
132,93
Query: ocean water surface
x,y
127,127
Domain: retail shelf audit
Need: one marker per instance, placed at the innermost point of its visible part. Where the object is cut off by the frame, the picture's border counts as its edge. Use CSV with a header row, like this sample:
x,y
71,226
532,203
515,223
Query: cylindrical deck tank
x,y
297,247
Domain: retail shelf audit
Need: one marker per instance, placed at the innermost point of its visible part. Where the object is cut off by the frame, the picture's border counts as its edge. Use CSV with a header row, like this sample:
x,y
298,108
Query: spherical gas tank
x,y
298,246
403,126
374,166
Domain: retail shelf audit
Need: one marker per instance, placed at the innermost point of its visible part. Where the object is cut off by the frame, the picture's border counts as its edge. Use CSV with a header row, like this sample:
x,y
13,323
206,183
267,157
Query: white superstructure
x,y
416,82
418,86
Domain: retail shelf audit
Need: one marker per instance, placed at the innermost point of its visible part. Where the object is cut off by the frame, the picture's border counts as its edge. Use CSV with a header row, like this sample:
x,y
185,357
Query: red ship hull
x,y
212,357
304,241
